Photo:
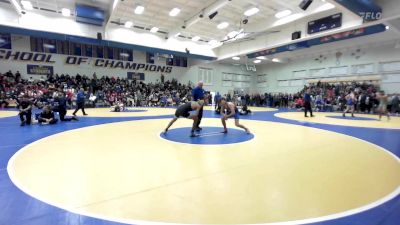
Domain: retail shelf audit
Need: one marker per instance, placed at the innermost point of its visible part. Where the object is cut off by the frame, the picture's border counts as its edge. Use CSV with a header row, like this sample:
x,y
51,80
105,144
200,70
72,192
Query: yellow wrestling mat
x,y
360,120
126,172
253,109
130,112
5,113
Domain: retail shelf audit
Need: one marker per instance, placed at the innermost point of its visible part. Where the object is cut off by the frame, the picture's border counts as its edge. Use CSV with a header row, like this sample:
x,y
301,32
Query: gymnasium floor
x,y
111,168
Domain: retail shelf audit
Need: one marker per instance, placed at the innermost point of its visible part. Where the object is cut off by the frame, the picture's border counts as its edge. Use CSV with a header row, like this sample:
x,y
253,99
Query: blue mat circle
x,y
208,136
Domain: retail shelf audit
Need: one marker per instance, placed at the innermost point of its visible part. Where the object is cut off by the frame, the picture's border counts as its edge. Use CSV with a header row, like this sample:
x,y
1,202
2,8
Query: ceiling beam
x,y
17,7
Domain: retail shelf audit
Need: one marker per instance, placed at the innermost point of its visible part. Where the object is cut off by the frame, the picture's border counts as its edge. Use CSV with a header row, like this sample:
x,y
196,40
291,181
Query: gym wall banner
x,y
78,60
136,76
39,70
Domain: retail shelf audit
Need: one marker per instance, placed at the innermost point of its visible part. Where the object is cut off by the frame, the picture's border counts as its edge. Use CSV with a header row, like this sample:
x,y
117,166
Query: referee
x,y
198,94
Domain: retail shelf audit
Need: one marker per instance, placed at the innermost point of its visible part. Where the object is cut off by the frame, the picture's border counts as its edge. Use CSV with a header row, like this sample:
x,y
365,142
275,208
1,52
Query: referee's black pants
x,y
307,107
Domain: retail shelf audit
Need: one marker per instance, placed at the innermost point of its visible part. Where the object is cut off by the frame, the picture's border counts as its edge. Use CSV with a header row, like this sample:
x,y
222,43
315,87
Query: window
x,y
150,57
108,53
75,49
206,75
5,41
63,47
87,50
36,44
49,45
98,51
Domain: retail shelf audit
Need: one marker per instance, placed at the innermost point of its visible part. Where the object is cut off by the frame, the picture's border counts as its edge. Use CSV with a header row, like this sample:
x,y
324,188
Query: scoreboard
x,y
326,23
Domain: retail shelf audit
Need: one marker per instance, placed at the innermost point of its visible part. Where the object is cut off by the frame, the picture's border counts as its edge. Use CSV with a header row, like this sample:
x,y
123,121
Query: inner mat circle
x,y
207,136
126,172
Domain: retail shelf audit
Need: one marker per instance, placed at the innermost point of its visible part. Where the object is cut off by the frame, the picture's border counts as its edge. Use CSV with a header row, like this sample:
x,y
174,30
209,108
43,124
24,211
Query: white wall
x,y
46,21
370,58
145,38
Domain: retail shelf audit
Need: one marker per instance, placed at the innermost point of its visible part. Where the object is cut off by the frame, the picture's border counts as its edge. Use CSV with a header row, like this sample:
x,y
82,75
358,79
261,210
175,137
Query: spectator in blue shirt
x,y
80,102
307,103
198,94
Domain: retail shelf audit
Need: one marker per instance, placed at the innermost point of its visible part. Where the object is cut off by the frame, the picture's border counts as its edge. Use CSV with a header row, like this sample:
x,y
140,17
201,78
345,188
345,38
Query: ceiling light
x,y
276,60
387,27
232,34
123,54
283,13
174,12
128,24
195,38
261,57
154,29
236,58
223,25
213,42
252,11
65,12
27,5
139,9
177,35
257,61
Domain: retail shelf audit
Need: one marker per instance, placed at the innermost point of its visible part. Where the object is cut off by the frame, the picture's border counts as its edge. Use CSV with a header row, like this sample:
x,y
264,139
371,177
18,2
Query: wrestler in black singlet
x,y
184,110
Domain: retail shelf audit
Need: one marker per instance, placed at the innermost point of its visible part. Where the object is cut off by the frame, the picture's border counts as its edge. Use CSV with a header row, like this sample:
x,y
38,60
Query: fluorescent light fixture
x,y
213,42
283,13
123,54
65,12
195,38
241,35
27,5
139,9
257,61
16,5
128,24
261,57
232,34
174,12
276,60
154,29
324,7
236,58
223,25
177,35
251,11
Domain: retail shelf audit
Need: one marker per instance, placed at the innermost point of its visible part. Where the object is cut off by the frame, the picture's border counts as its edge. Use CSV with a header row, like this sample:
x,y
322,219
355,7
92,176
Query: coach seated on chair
x,y
47,116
